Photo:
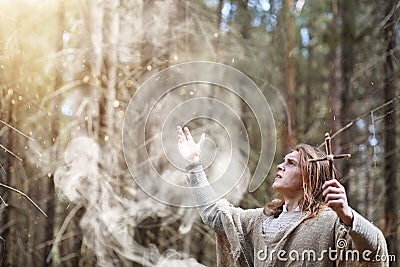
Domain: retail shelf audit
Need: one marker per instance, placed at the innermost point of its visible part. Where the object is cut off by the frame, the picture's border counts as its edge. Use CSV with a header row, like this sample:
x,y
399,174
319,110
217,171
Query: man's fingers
x,y
179,130
335,203
180,135
333,183
187,134
333,190
330,197
179,139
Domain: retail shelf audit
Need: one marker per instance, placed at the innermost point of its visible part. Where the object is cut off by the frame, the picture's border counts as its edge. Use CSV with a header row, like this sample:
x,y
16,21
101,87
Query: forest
x,y
91,93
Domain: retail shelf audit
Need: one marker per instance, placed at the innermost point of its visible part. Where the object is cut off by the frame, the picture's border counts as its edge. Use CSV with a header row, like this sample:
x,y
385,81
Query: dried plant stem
x,y
18,131
23,194
62,230
348,125
9,151
3,169
13,154
2,200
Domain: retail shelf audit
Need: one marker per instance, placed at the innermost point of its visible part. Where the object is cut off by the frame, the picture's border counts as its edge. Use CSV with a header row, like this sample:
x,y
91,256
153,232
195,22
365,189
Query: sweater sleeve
x,y
366,238
363,233
204,196
233,225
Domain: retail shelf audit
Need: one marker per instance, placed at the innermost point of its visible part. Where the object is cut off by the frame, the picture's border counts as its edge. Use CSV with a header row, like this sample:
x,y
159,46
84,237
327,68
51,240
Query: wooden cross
x,y
329,156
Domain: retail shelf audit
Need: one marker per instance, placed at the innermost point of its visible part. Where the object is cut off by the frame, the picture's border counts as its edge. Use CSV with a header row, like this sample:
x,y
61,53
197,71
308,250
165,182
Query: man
x,y
311,224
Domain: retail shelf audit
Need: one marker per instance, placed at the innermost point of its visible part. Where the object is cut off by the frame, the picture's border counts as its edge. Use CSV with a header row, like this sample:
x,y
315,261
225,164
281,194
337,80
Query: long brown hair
x,y
313,174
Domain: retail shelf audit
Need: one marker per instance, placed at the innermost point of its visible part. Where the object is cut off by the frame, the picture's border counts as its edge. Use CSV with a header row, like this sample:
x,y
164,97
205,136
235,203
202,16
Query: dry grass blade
x,y
18,131
62,230
9,151
23,194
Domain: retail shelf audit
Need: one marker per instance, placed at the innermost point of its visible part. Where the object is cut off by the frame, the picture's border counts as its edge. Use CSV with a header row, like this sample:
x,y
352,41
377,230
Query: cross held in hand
x,y
330,156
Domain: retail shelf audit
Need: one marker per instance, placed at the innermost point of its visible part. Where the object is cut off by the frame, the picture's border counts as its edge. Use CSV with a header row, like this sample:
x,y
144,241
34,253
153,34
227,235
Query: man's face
x,y
288,181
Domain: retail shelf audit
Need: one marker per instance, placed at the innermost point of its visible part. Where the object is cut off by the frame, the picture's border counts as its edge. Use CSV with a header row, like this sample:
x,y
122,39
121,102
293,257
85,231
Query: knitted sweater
x,y
319,241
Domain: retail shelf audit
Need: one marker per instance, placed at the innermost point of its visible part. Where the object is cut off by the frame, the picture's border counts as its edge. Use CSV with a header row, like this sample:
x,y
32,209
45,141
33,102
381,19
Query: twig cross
x,y
329,156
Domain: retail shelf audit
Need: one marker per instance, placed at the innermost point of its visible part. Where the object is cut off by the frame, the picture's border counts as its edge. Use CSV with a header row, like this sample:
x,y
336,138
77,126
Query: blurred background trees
x,y
69,68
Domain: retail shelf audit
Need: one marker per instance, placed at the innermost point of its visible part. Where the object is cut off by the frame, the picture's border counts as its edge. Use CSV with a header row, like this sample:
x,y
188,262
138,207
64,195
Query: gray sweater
x,y
250,238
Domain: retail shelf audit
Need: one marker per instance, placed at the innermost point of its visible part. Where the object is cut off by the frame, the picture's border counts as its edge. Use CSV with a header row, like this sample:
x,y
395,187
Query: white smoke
x,y
79,174
109,216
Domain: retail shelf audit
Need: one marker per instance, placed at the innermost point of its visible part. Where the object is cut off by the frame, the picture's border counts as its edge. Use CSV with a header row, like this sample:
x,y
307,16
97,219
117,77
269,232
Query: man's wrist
x,y
348,217
193,166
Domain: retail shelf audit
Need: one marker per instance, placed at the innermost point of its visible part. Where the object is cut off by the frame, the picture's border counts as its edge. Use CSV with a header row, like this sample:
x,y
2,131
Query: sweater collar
x,y
285,209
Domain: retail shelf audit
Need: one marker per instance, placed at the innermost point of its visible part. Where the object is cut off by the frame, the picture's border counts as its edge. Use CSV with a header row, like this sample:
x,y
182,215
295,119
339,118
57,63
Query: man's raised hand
x,y
189,149
336,198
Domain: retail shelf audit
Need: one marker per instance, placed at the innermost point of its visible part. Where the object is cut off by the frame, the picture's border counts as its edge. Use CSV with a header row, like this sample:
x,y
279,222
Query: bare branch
x,y
2,200
23,194
9,151
348,125
3,169
62,230
18,131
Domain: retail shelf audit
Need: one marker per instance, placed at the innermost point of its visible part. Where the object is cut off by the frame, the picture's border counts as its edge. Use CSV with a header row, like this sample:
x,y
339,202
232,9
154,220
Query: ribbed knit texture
x,y
249,238
284,220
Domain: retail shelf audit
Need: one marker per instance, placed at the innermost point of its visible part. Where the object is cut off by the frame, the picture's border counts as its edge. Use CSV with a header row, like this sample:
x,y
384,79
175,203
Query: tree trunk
x,y
245,17
111,37
369,196
7,214
335,77
289,133
308,104
148,48
390,158
217,41
153,59
96,57
5,161
346,11
51,200
16,230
